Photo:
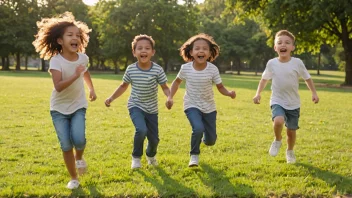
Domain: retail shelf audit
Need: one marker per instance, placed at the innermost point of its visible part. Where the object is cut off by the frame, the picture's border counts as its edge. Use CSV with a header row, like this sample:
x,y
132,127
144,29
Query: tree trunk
x,y
347,46
43,65
18,61
117,68
319,58
7,62
26,62
3,63
91,62
239,67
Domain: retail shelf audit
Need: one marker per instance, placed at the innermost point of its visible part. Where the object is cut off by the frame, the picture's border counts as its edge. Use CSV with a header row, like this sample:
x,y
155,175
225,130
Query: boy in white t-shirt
x,y
285,102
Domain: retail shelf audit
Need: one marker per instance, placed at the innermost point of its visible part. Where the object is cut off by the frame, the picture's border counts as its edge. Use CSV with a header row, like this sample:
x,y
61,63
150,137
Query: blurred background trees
x,y
244,29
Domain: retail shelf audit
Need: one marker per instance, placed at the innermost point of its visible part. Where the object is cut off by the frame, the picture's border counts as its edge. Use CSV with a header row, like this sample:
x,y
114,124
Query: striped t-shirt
x,y
199,86
144,93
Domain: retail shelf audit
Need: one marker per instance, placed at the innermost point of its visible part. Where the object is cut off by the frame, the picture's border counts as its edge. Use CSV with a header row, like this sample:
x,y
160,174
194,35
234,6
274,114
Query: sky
x,y
92,2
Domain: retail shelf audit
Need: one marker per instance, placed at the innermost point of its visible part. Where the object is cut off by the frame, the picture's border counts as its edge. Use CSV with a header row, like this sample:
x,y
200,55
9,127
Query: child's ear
x,y
153,52
59,41
133,53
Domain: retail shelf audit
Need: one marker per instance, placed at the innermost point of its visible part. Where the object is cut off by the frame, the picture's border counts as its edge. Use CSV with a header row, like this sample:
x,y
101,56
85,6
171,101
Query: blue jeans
x,y
70,129
202,123
146,125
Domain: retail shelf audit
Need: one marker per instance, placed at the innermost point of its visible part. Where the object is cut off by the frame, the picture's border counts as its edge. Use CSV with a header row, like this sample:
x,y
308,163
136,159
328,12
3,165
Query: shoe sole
x,y
192,165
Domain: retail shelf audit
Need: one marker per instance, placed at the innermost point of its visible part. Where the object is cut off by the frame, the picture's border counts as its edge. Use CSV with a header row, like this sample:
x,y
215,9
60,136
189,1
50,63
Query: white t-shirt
x,y
199,86
285,81
73,97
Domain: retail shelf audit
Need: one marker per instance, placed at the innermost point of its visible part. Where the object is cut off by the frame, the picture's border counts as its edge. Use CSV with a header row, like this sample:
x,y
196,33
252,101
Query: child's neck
x,y
145,66
199,66
69,56
284,59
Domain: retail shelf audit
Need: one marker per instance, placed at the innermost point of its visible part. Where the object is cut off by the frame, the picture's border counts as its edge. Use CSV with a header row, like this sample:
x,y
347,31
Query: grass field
x,y
239,165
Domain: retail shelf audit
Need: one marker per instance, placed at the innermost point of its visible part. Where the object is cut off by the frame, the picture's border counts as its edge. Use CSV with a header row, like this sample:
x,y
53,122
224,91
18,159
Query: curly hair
x,y
142,37
188,46
50,29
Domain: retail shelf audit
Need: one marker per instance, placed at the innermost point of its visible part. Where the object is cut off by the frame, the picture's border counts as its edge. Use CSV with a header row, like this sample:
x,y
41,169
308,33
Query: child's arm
x,y
88,80
225,92
166,89
118,92
311,87
261,86
174,87
60,84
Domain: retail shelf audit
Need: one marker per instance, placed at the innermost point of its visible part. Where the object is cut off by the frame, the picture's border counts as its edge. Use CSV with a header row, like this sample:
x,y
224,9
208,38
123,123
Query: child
x,y
64,40
199,104
144,76
285,102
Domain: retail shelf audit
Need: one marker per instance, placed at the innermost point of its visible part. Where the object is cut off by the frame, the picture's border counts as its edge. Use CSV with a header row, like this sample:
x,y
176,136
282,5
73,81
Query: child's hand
x,y
92,95
315,98
256,99
80,69
232,94
107,102
169,103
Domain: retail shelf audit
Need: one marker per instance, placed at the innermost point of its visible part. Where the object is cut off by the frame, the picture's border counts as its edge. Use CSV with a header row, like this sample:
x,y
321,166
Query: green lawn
x,y
238,165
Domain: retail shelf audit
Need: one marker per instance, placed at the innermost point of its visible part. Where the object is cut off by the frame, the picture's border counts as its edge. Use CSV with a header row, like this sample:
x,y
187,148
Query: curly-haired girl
x,y
199,104
63,39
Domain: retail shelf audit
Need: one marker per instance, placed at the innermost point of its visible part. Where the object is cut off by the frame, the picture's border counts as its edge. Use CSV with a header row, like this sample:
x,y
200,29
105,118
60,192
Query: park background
x,y
238,165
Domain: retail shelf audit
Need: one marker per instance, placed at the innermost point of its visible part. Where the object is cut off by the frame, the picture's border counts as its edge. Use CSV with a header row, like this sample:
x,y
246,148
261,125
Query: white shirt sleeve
x,y
54,64
181,73
303,72
268,72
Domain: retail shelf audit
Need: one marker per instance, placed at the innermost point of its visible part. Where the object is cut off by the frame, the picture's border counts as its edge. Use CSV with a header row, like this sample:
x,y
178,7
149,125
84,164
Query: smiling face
x,y
143,51
284,45
70,40
200,52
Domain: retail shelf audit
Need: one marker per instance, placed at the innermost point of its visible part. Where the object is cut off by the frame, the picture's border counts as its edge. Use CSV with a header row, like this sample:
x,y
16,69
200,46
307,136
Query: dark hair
x,y
188,46
50,29
142,37
285,33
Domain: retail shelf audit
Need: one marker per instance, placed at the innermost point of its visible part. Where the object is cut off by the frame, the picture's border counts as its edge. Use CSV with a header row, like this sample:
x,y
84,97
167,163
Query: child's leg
x,y
70,162
138,118
62,127
278,117
278,125
78,134
209,120
194,116
152,134
291,139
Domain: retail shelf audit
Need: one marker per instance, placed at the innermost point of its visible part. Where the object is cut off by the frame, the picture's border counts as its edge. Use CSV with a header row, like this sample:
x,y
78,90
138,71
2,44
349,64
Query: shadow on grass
x,y
220,184
342,184
168,187
79,192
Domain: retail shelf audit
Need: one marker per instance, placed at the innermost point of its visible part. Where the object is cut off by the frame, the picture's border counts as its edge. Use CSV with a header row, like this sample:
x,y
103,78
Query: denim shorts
x,y
70,129
291,116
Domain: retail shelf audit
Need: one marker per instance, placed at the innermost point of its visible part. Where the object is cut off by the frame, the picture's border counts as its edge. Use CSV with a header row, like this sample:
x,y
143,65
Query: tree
x,y
314,22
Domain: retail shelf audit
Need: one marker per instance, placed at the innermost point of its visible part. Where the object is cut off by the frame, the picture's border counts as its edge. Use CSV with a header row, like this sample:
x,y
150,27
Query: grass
x,y
31,163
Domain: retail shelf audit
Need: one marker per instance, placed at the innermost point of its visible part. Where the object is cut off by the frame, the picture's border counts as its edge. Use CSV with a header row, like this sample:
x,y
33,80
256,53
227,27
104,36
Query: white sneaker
x,y
81,166
73,184
290,157
194,161
152,161
136,163
274,148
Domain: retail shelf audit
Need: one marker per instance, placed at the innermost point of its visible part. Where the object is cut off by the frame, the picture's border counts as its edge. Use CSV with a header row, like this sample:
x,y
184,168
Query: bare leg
x,y
291,139
278,125
79,154
70,163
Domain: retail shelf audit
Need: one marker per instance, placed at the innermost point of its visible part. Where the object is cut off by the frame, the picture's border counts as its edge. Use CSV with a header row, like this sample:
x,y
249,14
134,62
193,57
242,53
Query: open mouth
x,y
143,56
201,57
75,45
283,50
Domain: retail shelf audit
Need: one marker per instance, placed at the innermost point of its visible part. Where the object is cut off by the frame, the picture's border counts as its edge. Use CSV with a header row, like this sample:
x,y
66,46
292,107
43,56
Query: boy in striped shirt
x,y
144,76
